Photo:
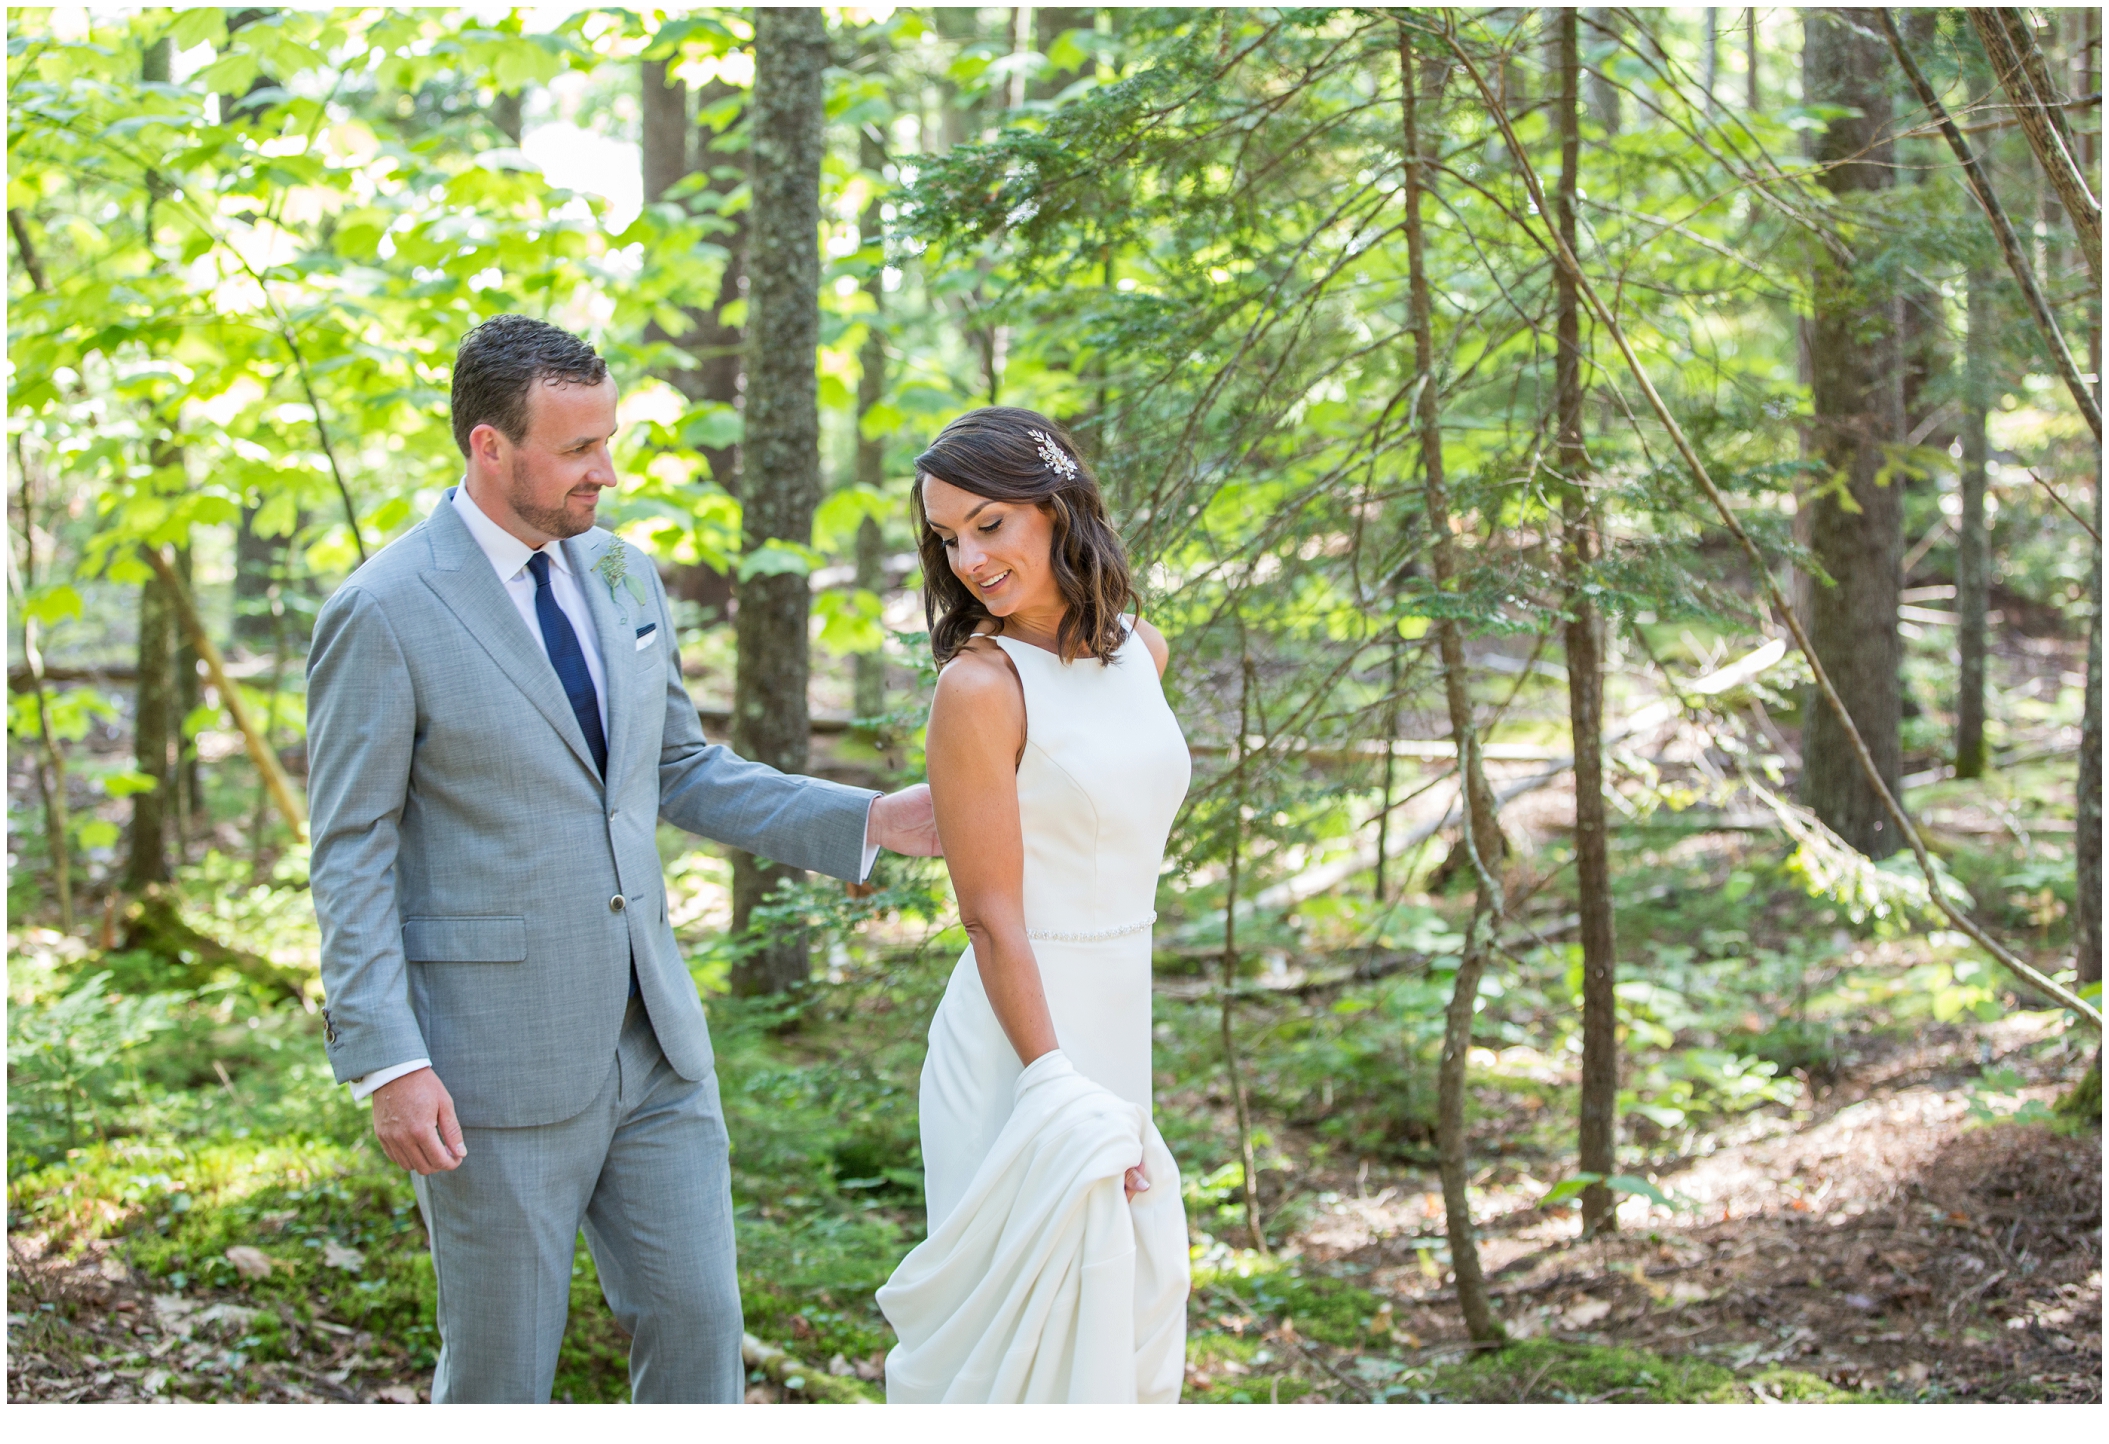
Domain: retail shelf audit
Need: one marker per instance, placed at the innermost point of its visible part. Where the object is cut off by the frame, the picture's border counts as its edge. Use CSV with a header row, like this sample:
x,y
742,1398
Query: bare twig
x,y
2009,243
2064,505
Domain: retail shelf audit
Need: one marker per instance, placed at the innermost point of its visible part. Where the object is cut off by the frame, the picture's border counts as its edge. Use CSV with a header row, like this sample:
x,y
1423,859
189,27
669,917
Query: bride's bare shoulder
x,y
980,677
1160,653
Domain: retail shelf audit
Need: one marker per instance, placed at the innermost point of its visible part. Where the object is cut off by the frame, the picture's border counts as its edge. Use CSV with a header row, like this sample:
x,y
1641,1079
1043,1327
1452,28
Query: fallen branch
x,y
1566,258
795,1374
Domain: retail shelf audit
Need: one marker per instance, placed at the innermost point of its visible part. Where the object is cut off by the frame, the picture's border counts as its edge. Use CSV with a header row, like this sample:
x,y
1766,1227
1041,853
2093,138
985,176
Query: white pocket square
x,y
647,639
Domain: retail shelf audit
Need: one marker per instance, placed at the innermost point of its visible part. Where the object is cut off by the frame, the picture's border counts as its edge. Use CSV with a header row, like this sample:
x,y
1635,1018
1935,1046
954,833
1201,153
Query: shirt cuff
x,y
363,1088
871,849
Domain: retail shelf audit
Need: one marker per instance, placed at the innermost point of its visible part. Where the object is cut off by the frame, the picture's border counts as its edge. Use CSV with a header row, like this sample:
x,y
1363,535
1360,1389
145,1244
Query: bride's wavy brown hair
x,y
992,453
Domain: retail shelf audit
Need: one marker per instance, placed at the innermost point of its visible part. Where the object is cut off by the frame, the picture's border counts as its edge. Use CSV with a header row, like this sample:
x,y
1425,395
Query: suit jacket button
x,y
616,903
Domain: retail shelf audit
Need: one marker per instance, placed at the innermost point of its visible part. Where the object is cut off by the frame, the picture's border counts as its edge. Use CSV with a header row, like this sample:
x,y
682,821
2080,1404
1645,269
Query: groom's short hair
x,y
499,363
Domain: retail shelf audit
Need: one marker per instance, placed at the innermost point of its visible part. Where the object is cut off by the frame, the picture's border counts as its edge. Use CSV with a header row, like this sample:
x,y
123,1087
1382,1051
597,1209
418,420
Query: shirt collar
x,y
507,553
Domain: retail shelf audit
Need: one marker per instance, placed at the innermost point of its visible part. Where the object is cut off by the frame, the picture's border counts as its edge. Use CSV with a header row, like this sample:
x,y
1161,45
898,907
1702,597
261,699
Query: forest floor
x,y
1887,1247
1890,1246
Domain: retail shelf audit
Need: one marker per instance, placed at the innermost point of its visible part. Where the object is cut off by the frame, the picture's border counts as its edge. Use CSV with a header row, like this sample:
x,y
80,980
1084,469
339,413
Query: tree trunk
x,y
1479,834
783,440
1603,95
2087,847
1925,325
1585,685
1855,524
152,725
1248,1158
870,688
254,558
1972,544
1750,59
1050,23
2087,51
51,768
192,816
720,371
664,128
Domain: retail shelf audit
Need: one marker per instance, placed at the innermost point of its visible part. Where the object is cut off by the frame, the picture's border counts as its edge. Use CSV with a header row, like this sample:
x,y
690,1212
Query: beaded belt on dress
x,y
1048,935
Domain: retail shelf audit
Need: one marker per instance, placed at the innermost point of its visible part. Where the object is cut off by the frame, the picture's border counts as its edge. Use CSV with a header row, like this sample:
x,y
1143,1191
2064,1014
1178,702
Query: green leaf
x,y
198,27
777,559
849,622
389,515
50,605
1568,1188
124,784
882,420
1639,1188
712,426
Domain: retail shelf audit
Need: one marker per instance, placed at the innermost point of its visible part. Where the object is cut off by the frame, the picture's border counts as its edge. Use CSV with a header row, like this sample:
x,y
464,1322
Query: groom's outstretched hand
x,y
413,1116
905,822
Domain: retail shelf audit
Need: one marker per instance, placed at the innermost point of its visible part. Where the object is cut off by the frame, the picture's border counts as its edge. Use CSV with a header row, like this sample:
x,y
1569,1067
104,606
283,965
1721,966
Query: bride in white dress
x,y
1056,1263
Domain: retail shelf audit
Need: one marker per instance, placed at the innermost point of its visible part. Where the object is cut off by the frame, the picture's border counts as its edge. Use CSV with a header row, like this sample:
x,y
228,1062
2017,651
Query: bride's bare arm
x,y
976,737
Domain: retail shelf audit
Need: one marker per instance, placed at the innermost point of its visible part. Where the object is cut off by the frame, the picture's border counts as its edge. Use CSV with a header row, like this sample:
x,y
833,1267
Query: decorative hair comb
x,y
1052,453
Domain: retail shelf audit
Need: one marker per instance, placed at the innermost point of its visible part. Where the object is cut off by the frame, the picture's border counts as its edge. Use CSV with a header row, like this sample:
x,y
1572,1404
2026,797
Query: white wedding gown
x,y
1038,1282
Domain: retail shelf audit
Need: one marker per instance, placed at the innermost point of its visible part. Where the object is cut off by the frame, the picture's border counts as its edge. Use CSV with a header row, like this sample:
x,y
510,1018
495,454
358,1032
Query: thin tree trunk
x,y
720,371
146,861
663,130
1247,1157
782,464
1856,521
1750,59
260,813
51,768
1478,831
254,558
191,813
1050,23
1391,733
1604,96
2088,823
1598,1150
1972,544
870,682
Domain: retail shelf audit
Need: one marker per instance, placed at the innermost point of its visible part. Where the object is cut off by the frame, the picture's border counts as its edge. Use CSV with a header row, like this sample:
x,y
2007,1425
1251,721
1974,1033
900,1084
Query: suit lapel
x,y
618,639
462,577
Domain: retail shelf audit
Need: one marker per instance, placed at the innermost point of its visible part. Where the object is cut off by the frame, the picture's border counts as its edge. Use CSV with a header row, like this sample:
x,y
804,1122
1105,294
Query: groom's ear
x,y
487,444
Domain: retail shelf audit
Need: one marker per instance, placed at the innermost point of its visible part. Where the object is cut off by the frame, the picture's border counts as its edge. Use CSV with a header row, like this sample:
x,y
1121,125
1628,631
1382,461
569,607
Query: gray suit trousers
x,y
645,1170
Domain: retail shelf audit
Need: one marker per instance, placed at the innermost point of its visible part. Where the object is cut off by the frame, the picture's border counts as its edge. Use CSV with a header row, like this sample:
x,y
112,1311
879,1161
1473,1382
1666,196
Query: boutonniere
x,y
614,569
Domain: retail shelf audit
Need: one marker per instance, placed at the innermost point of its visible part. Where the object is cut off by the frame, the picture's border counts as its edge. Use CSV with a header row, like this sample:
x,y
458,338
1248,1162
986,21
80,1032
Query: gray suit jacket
x,y
467,857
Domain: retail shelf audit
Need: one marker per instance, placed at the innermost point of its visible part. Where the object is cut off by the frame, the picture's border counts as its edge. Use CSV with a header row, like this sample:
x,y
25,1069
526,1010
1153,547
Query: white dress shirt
x,y
508,557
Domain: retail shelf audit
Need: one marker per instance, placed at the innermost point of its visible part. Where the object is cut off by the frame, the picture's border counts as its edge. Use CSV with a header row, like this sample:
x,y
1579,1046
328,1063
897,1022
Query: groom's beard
x,y
554,521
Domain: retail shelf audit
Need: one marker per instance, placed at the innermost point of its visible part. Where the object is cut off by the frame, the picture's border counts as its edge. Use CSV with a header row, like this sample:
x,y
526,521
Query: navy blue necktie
x,y
570,661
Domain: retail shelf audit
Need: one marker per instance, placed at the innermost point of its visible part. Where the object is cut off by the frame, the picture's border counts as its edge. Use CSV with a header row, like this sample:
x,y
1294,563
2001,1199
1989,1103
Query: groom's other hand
x,y
906,823
413,1116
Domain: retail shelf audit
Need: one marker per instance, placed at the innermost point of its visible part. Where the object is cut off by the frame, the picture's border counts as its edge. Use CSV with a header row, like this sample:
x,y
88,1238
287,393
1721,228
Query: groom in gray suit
x,y
497,723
